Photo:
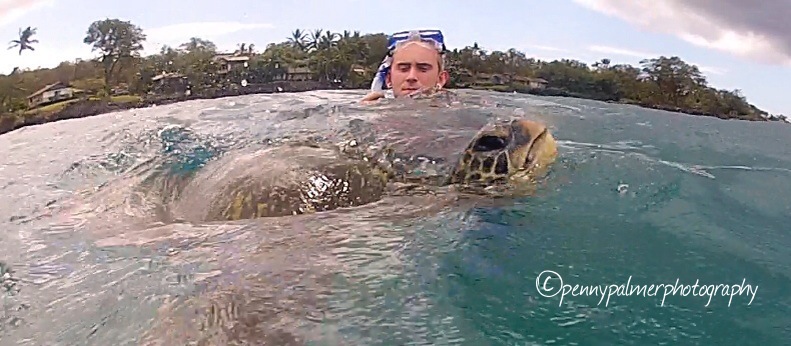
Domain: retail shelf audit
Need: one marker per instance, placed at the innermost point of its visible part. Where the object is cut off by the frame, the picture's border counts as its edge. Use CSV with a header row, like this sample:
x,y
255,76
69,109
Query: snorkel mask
x,y
399,39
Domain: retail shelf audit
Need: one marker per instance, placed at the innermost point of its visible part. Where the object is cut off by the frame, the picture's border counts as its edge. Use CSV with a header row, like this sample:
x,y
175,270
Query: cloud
x,y
45,56
647,55
179,33
547,48
11,10
621,51
755,30
549,53
711,69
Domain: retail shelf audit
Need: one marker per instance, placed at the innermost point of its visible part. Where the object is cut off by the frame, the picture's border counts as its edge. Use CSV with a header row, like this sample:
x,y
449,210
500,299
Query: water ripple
x,y
88,234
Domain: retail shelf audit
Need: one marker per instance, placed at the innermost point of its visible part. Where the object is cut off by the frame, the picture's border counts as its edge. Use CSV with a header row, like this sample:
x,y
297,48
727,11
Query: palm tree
x,y
24,41
297,39
329,40
315,39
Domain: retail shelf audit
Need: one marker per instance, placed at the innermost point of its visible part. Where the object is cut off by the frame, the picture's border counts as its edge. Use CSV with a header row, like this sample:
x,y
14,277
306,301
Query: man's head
x,y
417,64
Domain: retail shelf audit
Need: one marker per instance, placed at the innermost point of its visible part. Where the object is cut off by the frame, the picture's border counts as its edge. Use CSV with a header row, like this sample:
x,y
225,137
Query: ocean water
x,y
639,206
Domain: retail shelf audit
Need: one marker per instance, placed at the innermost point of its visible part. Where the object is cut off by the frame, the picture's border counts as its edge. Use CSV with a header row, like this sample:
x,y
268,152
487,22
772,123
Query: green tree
x,y
196,44
116,40
11,93
197,64
674,78
660,82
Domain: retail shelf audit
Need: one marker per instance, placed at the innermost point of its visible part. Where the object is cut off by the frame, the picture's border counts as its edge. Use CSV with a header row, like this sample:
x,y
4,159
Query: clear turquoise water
x,y
701,200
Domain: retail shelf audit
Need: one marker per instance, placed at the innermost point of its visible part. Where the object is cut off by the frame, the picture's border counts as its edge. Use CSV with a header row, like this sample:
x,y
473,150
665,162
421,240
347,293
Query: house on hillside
x,y
537,83
299,73
228,62
494,78
533,83
482,77
505,79
52,93
169,83
295,74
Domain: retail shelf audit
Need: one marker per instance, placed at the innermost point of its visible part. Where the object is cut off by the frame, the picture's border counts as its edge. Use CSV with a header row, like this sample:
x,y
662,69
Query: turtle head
x,y
505,151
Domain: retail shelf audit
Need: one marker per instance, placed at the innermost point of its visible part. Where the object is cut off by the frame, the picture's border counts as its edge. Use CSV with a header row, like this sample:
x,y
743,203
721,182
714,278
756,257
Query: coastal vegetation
x,y
120,77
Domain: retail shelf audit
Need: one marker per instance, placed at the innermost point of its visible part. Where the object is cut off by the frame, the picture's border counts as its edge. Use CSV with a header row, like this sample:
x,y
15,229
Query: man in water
x,y
414,65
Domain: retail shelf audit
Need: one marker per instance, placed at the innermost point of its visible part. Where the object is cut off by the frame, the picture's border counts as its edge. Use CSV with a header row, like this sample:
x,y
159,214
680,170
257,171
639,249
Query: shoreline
x,y
84,108
562,93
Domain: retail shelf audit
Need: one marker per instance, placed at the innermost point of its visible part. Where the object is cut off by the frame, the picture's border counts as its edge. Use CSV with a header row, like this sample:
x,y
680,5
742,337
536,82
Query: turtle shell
x,y
279,181
354,159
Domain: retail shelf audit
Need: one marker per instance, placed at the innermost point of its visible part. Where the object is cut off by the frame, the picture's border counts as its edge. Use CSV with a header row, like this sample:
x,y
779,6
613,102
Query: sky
x,y
737,44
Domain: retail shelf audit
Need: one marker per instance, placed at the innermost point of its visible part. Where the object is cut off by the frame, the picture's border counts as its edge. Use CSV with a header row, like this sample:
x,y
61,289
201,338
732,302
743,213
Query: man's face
x,y
415,66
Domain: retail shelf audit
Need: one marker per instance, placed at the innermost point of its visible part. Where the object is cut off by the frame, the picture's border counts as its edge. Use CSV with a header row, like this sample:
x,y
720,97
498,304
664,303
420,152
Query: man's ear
x,y
444,76
388,81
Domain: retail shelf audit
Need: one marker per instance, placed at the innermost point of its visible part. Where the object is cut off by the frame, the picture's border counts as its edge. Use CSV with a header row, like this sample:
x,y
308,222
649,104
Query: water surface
x,y
639,196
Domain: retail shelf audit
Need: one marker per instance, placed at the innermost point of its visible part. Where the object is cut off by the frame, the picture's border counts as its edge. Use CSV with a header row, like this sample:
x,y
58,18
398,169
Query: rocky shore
x,y
563,93
91,107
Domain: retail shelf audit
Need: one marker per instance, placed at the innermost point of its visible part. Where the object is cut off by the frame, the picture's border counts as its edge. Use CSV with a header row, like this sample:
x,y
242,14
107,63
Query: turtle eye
x,y
489,143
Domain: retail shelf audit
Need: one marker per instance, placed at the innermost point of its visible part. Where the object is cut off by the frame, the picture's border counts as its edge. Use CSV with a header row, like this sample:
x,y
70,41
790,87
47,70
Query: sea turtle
x,y
275,282
354,159
270,281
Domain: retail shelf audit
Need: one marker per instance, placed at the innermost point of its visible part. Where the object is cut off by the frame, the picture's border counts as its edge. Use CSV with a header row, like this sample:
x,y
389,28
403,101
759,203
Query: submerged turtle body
x,y
279,181
358,158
